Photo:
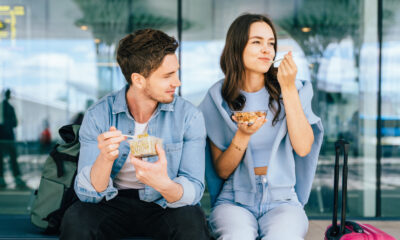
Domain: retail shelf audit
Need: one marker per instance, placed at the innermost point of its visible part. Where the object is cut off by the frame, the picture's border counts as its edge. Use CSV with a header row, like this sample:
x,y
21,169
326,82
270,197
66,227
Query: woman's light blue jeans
x,y
264,219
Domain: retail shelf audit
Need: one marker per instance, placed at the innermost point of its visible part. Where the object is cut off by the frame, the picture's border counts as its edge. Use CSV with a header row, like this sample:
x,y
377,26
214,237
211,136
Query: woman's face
x,y
259,50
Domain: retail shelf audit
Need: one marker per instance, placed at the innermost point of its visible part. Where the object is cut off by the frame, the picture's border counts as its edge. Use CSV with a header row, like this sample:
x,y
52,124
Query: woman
x,y
268,167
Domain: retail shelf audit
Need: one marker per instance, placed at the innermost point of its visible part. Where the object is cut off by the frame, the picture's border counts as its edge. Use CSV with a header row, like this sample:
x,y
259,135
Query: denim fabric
x,y
263,202
265,218
179,124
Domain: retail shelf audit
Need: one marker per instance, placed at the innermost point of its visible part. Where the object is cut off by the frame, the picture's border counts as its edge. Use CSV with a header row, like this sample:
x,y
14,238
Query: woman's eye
x,y
256,42
272,43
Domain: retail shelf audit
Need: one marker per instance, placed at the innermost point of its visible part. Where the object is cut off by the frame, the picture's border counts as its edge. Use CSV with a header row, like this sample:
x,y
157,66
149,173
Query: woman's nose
x,y
265,49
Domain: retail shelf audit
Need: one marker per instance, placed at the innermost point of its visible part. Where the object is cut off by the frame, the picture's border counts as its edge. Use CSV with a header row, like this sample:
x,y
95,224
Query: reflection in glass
x,y
58,57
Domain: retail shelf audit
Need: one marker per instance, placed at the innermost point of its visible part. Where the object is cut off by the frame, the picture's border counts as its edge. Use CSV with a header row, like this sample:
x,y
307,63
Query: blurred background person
x,y
45,138
7,141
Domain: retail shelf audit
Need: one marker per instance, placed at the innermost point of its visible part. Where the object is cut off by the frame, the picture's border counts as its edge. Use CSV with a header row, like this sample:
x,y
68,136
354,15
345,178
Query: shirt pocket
x,y
173,152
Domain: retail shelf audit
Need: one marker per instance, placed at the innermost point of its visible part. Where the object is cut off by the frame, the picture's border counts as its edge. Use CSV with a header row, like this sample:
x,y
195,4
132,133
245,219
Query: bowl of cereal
x,y
143,146
249,117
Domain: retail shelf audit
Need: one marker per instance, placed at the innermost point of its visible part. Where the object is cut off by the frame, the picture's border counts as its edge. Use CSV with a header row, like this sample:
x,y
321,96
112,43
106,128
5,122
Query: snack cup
x,y
145,146
249,117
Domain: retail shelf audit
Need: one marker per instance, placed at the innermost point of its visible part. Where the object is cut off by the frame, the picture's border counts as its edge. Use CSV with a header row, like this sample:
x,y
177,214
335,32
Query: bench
x,y
20,227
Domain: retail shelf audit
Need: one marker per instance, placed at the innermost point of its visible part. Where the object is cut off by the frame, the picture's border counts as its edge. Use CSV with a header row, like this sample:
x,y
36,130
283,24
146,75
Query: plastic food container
x,y
249,117
144,145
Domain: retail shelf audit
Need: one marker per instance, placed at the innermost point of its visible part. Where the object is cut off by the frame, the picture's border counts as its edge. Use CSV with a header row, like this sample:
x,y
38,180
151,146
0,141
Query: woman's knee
x,y
274,225
228,221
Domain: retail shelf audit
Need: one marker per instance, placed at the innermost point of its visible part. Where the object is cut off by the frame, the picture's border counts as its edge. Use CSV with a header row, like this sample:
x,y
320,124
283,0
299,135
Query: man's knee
x,y
191,215
74,226
191,223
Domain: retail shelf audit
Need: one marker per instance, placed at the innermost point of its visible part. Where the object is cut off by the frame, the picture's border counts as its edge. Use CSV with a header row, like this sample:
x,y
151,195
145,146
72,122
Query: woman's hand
x,y
247,129
287,72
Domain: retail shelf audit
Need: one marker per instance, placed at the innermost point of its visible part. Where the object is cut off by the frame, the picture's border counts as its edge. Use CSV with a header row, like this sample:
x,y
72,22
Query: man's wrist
x,y
165,186
104,161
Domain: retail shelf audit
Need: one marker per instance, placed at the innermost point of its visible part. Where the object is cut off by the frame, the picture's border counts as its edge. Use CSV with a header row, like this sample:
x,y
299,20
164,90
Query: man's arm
x,y
90,189
192,167
108,143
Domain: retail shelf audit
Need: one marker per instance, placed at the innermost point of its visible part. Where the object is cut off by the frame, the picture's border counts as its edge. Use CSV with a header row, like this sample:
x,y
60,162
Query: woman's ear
x,y
138,80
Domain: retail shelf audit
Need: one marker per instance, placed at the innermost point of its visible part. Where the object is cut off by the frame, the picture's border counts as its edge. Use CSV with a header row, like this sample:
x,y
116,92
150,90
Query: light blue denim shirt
x,y
179,124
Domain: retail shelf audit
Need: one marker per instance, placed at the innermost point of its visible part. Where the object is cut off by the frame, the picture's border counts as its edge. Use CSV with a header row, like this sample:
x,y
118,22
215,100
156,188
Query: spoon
x,y
128,136
277,60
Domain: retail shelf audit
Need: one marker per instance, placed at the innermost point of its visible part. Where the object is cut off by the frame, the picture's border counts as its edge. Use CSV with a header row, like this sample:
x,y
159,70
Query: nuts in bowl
x,y
249,117
143,146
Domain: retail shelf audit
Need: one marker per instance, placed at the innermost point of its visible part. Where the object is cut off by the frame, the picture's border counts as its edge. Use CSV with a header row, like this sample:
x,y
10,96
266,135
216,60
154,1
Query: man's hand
x,y
108,143
154,174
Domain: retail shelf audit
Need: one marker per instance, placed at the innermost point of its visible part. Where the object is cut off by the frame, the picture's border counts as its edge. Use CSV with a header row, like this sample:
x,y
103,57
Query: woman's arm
x,y
300,131
226,162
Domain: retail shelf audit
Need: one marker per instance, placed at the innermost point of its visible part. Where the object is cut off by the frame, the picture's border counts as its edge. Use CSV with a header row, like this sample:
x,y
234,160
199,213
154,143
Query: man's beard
x,y
156,98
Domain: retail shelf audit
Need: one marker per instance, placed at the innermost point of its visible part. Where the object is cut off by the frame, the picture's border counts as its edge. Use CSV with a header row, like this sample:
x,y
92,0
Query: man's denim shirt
x,y
179,124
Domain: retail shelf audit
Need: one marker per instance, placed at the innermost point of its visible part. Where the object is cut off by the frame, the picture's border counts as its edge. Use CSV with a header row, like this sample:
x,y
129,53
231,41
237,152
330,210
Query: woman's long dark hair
x,y
233,67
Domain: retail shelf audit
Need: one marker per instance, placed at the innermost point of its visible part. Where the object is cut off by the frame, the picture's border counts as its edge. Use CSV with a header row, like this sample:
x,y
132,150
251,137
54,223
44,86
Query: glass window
x,y
57,58
390,142
337,50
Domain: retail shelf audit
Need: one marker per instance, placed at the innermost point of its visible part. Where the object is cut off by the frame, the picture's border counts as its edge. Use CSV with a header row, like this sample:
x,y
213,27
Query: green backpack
x,y
56,190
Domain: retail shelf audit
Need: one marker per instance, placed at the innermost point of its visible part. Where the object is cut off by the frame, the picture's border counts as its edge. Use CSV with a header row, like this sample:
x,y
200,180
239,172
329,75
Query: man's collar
x,y
167,106
120,104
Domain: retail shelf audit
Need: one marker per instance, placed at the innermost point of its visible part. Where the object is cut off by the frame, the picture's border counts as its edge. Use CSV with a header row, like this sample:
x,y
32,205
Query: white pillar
x,y
368,106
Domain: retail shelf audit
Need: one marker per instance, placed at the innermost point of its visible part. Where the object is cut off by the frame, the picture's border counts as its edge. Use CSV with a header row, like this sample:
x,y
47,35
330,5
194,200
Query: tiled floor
x,y
317,228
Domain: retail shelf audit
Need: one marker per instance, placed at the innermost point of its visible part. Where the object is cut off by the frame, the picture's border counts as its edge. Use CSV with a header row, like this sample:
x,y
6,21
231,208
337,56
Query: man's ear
x,y
138,80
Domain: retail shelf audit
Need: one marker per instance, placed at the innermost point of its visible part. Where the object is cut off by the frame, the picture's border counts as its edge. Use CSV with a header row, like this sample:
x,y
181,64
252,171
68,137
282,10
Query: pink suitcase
x,y
367,232
350,230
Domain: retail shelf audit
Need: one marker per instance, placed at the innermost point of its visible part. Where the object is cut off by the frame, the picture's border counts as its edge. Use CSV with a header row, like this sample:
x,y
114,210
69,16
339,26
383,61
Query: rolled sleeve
x,y
192,167
189,193
87,156
86,192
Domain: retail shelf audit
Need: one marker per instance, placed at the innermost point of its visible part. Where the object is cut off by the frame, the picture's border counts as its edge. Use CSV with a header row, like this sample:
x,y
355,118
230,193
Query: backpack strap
x,y
59,158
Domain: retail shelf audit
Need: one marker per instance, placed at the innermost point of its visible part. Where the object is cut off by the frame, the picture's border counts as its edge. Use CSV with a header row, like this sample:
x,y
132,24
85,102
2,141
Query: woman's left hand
x,y
287,72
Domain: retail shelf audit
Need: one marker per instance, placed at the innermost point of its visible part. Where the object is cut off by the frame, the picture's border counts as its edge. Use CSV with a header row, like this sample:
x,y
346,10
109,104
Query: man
x,y
7,141
156,196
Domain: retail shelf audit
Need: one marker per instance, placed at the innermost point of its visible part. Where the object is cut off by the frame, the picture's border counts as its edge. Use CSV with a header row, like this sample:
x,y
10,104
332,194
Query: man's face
x,y
161,84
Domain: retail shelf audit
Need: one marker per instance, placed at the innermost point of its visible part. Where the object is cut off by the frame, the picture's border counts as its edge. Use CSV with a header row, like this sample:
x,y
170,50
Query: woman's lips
x,y
265,59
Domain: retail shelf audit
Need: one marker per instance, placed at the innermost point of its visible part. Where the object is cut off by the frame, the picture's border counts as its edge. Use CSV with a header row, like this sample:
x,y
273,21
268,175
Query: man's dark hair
x,y
143,51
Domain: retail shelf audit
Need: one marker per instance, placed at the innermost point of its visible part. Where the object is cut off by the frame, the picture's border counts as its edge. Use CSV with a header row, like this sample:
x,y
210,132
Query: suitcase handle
x,y
340,144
